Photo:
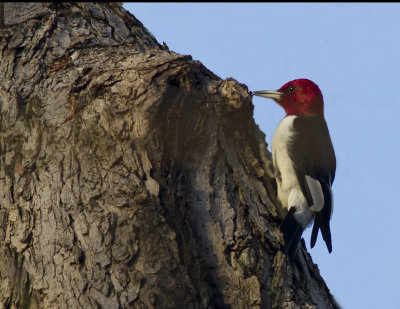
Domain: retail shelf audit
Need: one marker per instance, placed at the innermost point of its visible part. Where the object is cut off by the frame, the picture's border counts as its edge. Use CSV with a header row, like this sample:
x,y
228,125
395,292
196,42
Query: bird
x,y
304,163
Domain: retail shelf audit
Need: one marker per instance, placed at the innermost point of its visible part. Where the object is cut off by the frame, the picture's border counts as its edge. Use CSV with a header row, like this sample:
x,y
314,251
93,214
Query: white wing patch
x,y
316,193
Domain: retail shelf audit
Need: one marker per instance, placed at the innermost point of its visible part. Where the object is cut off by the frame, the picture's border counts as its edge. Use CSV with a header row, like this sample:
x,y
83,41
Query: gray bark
x,y
132,176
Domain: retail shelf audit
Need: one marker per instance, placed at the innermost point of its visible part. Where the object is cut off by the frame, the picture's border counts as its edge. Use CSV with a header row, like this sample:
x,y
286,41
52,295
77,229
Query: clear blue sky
x,y
352,51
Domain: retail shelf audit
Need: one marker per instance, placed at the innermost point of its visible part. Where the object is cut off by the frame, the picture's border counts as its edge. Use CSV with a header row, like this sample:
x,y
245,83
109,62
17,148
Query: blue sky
x,y
352,51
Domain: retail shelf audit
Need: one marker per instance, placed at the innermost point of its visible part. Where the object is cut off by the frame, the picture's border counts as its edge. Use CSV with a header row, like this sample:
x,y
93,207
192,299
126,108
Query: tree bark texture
x,y
132,176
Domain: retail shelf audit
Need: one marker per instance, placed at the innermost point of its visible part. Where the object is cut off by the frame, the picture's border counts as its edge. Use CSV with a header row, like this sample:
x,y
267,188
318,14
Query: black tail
x,y
292,232
321,223
322,218
314,233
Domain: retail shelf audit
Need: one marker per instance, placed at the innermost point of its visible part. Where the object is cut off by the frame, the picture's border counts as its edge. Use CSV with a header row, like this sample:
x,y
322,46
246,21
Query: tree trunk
x,y
132,176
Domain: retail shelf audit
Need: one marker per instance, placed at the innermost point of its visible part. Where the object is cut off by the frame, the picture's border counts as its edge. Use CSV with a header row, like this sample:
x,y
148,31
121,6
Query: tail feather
x,y
326,235
292,231
320,223
324,216
314,234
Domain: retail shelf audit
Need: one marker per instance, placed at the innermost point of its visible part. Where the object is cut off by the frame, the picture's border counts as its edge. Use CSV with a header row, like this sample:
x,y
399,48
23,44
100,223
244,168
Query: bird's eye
x,y
292,88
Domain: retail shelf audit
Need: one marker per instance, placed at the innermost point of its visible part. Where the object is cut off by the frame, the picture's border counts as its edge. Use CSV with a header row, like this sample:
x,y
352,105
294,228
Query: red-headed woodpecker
x,y
304,163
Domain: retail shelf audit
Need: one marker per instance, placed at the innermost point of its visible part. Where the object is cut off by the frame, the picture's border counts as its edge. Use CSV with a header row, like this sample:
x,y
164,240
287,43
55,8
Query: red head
x,y
298,97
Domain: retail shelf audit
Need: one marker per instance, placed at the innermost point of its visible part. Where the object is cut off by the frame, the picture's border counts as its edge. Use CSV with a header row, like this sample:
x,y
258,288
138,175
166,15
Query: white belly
x,y
289,192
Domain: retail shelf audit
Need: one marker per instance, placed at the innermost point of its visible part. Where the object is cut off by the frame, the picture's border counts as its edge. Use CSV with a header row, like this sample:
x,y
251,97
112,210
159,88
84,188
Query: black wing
x,y
313,149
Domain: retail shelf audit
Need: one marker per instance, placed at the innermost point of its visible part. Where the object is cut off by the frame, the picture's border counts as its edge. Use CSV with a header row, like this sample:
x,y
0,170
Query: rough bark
x,y
132,176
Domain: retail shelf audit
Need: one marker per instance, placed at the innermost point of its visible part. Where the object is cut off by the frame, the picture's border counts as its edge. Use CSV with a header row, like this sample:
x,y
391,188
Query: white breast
x,y
285,174
289,192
